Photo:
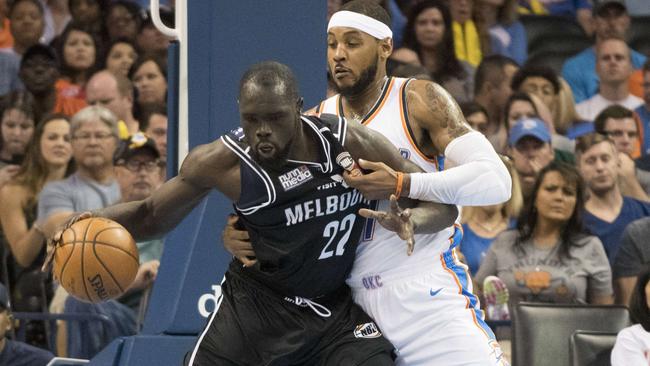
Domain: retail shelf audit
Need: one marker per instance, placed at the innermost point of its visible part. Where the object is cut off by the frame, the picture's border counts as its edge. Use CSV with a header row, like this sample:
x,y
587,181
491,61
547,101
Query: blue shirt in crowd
x,y
580,72
644,114
22,354
610,233
474,247
510,40
565,7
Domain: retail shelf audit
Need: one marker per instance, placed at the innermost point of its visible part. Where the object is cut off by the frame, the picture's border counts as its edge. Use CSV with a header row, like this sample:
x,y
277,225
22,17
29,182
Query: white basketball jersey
x,y
382,254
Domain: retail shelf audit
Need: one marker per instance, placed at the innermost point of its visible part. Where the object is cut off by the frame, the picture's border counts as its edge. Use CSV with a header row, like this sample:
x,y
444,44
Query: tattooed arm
x,y
478,176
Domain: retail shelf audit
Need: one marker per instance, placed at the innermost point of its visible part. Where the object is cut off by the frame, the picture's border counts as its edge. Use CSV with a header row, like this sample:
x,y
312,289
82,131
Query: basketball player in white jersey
x,y
422,302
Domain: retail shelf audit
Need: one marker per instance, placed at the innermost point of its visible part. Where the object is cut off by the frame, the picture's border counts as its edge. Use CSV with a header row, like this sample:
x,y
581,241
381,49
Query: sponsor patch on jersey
x,y
295,178
367,330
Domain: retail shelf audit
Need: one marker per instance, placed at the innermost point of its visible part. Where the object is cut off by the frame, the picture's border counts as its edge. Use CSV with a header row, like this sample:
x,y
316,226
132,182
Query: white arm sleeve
x,y
479,179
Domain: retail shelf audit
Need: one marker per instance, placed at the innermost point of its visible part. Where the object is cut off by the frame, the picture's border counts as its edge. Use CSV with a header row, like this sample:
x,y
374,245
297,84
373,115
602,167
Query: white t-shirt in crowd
x,y
632,347
591,107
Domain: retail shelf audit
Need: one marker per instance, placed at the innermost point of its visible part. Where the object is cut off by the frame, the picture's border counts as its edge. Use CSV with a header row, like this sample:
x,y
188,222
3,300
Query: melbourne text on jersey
x,y
322,206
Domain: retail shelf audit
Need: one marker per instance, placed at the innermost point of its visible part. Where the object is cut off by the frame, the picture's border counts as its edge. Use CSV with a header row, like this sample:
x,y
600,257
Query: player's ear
x,y
385,48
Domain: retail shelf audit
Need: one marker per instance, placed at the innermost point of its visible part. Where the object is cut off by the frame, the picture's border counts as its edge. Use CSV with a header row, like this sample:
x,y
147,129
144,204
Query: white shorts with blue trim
x,y
431,315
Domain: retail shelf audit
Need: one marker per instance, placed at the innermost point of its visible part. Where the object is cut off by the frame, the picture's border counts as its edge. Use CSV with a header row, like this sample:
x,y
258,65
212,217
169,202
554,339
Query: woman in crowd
x,y
481,224
149,76
16,129
123,20
549,258
508,35
78,51
47,159
120,56
428,38
476,116
632,346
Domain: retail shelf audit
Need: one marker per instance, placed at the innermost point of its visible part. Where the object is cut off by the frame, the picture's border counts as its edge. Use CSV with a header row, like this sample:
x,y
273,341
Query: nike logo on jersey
x,y
434,293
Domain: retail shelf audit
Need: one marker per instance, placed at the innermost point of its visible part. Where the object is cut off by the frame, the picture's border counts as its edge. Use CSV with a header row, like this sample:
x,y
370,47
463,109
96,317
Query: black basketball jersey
x,y
303,221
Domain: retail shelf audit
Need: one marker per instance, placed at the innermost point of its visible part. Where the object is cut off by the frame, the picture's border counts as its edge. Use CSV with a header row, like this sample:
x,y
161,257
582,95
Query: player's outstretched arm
x,y
206,167
478,176
364,143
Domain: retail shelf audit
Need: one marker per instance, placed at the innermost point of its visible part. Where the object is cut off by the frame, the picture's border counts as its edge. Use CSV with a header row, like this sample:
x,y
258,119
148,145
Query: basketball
x,y
96,260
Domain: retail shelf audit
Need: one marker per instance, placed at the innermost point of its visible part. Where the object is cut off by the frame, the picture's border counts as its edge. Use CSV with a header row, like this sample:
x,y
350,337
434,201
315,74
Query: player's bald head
x,y
368,8
269,76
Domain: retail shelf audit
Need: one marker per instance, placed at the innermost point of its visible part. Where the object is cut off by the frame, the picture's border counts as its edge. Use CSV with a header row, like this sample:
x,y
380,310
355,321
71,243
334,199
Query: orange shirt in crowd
x,y
68,106
636,83
67,89
6,39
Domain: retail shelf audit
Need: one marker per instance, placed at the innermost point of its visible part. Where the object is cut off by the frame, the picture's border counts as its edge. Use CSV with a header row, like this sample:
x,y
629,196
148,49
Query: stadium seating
x,y
589,348
541,332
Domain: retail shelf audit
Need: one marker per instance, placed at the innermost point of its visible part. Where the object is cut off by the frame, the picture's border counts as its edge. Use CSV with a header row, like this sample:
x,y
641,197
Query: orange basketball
x,y
96,260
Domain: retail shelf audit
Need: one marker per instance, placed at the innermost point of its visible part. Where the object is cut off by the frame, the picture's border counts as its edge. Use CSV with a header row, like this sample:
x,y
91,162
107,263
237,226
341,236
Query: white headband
x,y
361,22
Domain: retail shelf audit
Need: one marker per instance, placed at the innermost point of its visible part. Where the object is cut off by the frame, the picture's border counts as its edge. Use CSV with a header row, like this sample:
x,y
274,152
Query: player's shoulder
x,y
211,159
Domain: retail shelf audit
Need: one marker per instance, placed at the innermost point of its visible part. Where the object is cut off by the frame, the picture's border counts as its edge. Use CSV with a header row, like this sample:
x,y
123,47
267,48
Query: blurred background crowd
x,y
561,88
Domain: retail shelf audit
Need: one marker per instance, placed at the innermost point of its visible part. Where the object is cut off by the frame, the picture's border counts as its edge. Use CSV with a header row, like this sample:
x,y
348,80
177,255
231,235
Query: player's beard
x,y
277,161
365,79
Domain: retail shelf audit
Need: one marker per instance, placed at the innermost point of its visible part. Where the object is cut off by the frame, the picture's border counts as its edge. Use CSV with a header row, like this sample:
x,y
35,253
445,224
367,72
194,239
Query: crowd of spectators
x,y
83,125
83,86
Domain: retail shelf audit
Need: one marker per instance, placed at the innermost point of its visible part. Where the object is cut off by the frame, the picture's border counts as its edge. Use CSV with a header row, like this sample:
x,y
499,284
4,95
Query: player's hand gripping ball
x,y
95,259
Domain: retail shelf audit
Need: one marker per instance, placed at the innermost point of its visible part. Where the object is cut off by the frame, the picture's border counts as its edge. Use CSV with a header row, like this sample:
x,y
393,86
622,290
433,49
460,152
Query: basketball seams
x,y
99,260
83,275
65,263
113,245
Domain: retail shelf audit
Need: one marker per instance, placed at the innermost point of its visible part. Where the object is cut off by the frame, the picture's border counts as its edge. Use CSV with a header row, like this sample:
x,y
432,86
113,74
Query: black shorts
x,y
254,326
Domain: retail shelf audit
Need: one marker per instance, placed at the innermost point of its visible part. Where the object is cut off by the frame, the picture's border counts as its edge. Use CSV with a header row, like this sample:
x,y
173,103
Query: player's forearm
x,y
136,216
430,217
480,177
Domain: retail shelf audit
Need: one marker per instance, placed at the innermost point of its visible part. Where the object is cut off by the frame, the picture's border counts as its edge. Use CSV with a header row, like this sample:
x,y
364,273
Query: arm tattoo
x,y
445,110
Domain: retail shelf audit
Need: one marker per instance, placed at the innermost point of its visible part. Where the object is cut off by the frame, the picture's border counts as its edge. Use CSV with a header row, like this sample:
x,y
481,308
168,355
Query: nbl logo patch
x,y
367,330
295,178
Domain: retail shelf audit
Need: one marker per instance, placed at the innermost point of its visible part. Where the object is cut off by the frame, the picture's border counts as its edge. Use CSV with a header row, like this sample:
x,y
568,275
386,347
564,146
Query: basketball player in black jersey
x,y
283,171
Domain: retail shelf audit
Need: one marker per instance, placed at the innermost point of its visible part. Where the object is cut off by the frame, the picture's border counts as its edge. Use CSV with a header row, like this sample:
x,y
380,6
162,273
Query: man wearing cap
x,y
607,212
39,72
444,324
610,21
529,145
12,352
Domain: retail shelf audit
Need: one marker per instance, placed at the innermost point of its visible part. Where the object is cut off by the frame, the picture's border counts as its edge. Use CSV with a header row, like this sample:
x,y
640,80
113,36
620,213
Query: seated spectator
x,y
633,256
475,115
643,111
507,33
632,345
540,81
149,76
491,90
149,38
530,149
549,258
123,20
154,124
428,35
78,54
114,92
610,21
607,211
481,224
16,130
48,159
16,353
614,69
90,14
120,57
471,38
137,172
620,125
39,72
27,24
